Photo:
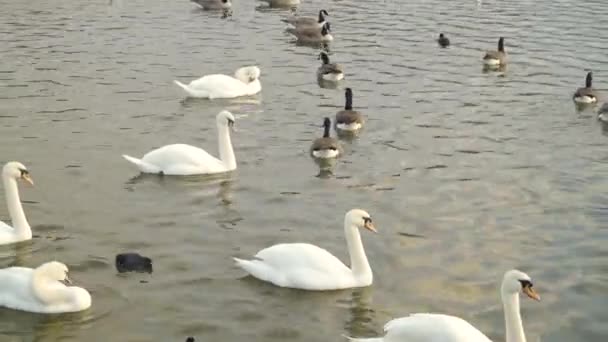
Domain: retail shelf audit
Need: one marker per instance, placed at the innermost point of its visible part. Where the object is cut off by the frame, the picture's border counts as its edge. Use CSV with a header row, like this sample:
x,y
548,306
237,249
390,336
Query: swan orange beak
x,y
370,226
530,292
26,177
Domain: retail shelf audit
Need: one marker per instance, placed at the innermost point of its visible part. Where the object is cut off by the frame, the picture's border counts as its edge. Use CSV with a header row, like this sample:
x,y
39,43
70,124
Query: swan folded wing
x,y
424,327
177,158
220,86
306,266
16,291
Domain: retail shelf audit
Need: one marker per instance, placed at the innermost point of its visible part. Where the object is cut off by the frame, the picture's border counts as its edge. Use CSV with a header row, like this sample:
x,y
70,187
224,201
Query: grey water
x,y
466,173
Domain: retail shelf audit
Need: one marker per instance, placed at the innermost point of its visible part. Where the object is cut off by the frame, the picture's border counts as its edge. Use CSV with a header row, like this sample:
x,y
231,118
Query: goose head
x,y
324,57
516,281
589,80
16,170
54,270
322,14
360,219
190,339
326,127
326,29
225,119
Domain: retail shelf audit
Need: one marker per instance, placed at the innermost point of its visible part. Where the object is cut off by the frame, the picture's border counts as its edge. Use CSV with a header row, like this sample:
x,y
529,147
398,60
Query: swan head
x,y
16,170
247,74
54,270
516,281
225,118
360,219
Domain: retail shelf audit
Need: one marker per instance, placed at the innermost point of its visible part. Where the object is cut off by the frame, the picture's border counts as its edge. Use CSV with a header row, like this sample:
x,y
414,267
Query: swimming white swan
x,y
183,160
41,290
244,83
11,172
424,327
308,267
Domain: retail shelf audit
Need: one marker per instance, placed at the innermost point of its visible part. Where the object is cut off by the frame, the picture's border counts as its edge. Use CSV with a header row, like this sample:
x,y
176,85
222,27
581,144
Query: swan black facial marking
x,y
230,122
525,283
367,219
24,172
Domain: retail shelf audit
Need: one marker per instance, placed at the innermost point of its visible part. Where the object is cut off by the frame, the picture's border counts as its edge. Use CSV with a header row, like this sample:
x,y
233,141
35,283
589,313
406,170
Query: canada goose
x,y
213,4
443,40
326,146
307,21
311,34
348,119
586,94
329,71
498,57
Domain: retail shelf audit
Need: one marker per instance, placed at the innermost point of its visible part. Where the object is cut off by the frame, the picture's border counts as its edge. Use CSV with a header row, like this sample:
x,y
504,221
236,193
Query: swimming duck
x,y
443,41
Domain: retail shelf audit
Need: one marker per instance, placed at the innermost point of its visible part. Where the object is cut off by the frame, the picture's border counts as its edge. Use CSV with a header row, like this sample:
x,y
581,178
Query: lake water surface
x,y
467,174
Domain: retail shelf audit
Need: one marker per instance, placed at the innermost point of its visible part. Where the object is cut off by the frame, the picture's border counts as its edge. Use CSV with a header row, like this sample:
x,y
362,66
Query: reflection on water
x,y
362,318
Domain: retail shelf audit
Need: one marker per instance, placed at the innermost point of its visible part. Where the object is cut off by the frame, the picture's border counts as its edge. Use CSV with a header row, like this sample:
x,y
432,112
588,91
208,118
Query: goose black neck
x,y
501,44
349,99
326,126
589,80
321,16
324,58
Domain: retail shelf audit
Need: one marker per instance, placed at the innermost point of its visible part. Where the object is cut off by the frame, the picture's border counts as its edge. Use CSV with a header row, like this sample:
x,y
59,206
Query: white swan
x,y
183,160
426,327
41,289
11,172
308,267
218,86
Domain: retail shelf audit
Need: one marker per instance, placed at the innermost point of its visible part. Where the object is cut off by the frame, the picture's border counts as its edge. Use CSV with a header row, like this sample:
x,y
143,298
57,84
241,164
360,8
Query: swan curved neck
x,y
513,324
225,147
358,260
15,209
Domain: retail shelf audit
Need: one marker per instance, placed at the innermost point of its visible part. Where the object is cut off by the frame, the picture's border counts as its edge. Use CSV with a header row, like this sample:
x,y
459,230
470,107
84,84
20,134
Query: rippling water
x,y
491,170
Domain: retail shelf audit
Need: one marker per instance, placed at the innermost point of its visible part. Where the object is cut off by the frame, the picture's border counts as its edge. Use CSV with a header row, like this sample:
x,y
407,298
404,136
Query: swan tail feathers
x,y
258,269
354,339
142,165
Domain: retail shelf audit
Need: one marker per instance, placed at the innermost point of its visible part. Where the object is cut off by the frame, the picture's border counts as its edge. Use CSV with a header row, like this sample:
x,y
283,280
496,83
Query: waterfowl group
x,y
304,266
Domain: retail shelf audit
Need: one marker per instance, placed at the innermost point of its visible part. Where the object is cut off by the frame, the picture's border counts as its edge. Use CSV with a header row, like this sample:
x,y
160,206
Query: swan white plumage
x,y
308,267
41,289
218,86
11,172
183,160
425,327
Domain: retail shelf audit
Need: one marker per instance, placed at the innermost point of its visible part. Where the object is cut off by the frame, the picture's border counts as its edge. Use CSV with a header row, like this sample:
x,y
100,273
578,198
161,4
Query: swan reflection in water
x,y
225,182
361,321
